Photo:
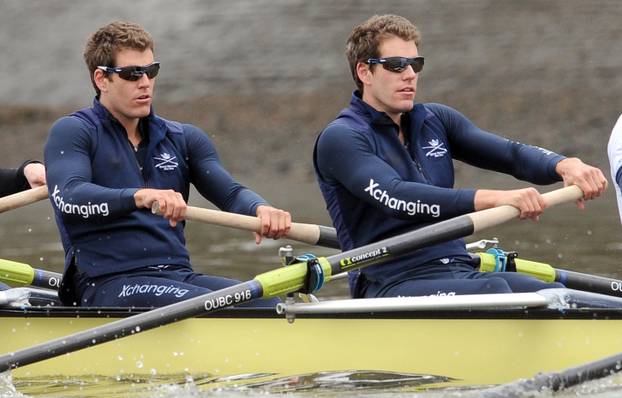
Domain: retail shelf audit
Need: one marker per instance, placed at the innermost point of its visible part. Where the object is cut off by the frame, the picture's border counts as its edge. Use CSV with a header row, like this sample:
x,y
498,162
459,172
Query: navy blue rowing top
x,y
93,173
376,187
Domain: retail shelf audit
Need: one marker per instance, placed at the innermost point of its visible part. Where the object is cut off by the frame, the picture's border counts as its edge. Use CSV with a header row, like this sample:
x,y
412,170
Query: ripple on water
x,y
323,384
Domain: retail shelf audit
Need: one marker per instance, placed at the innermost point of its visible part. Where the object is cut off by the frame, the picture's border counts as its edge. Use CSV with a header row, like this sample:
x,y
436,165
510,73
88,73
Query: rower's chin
x,y
405,105
142,110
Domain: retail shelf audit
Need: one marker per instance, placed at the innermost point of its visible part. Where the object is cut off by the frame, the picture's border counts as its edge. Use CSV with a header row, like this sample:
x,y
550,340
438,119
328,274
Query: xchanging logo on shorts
x,y
411,208
87,210
156,290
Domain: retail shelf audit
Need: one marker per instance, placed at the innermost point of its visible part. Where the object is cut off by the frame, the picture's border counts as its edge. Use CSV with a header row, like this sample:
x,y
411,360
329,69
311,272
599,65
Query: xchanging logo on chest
x,y
411,208
166,162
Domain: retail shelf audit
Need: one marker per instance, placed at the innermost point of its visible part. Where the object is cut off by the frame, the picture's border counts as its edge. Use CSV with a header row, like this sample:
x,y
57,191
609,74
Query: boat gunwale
x,y
269,313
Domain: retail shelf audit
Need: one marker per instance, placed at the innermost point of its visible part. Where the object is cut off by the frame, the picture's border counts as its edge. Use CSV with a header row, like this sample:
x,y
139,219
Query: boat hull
x,y
435,348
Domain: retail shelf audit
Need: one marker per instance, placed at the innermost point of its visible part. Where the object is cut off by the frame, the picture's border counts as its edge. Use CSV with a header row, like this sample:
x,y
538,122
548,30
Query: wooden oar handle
x,y
307,233
563,195
498,215
23,198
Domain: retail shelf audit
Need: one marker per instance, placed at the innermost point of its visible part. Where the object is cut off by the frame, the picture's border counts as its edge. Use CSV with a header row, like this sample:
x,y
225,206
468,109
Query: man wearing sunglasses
x,y
385,167
108,164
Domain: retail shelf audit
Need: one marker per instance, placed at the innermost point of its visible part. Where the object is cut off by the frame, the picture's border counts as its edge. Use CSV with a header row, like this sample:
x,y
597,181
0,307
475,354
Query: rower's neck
x,y
135,138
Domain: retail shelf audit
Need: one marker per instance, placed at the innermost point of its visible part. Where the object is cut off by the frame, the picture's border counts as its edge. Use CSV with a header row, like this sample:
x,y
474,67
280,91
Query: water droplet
x,y
137,328
139,364
40,258
153,372
62,152
119,357
29,229
589,232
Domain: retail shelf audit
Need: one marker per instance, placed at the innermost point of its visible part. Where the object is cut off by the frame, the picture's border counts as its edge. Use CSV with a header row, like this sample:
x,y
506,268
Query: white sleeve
x,y
614,151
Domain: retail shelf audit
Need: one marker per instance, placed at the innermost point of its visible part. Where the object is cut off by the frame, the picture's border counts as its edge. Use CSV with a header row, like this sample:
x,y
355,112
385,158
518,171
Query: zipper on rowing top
x,y
418,166
135,151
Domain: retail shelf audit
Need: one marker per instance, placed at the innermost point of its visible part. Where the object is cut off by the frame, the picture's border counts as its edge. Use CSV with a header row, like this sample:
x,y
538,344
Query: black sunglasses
x,y
133,73
398,64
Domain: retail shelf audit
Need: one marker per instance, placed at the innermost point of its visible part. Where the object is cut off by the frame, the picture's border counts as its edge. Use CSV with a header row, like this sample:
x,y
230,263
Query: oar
x,y
307,233
546,273
278,282
23,198
560,380
20,274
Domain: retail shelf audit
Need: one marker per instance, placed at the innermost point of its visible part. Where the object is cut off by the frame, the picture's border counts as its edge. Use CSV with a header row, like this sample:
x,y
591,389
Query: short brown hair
x,y
365,39
102,47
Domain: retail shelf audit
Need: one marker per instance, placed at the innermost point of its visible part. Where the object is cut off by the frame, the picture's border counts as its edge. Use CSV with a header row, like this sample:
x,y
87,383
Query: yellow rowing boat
x,y
425,342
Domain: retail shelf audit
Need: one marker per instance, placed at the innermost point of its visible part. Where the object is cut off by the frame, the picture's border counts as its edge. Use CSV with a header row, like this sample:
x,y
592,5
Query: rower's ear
x,y
101,80
364,73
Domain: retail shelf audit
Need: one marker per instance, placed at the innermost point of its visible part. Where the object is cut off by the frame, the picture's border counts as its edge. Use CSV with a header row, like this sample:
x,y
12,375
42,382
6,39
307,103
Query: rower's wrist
x,y
484,199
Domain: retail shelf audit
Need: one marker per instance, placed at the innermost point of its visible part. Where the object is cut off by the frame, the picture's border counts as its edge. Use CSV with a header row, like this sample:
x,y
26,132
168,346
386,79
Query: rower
x,y
385,167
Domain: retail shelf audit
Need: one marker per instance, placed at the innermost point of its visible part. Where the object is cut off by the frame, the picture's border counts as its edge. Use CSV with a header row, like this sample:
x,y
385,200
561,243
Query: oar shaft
x,y
589,283
546,273
20,274
307,233
138,323
23,198
567,378
454,228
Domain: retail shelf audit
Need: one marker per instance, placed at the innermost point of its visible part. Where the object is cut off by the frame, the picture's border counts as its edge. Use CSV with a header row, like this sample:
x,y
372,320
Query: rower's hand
x,y
35,174
171,205
590,179
528,201
275,223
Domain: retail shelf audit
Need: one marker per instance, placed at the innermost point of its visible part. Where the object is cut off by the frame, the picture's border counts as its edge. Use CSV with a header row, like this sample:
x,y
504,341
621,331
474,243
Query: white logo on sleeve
x,y
84,210
166,162
544,151
411,208
435,149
